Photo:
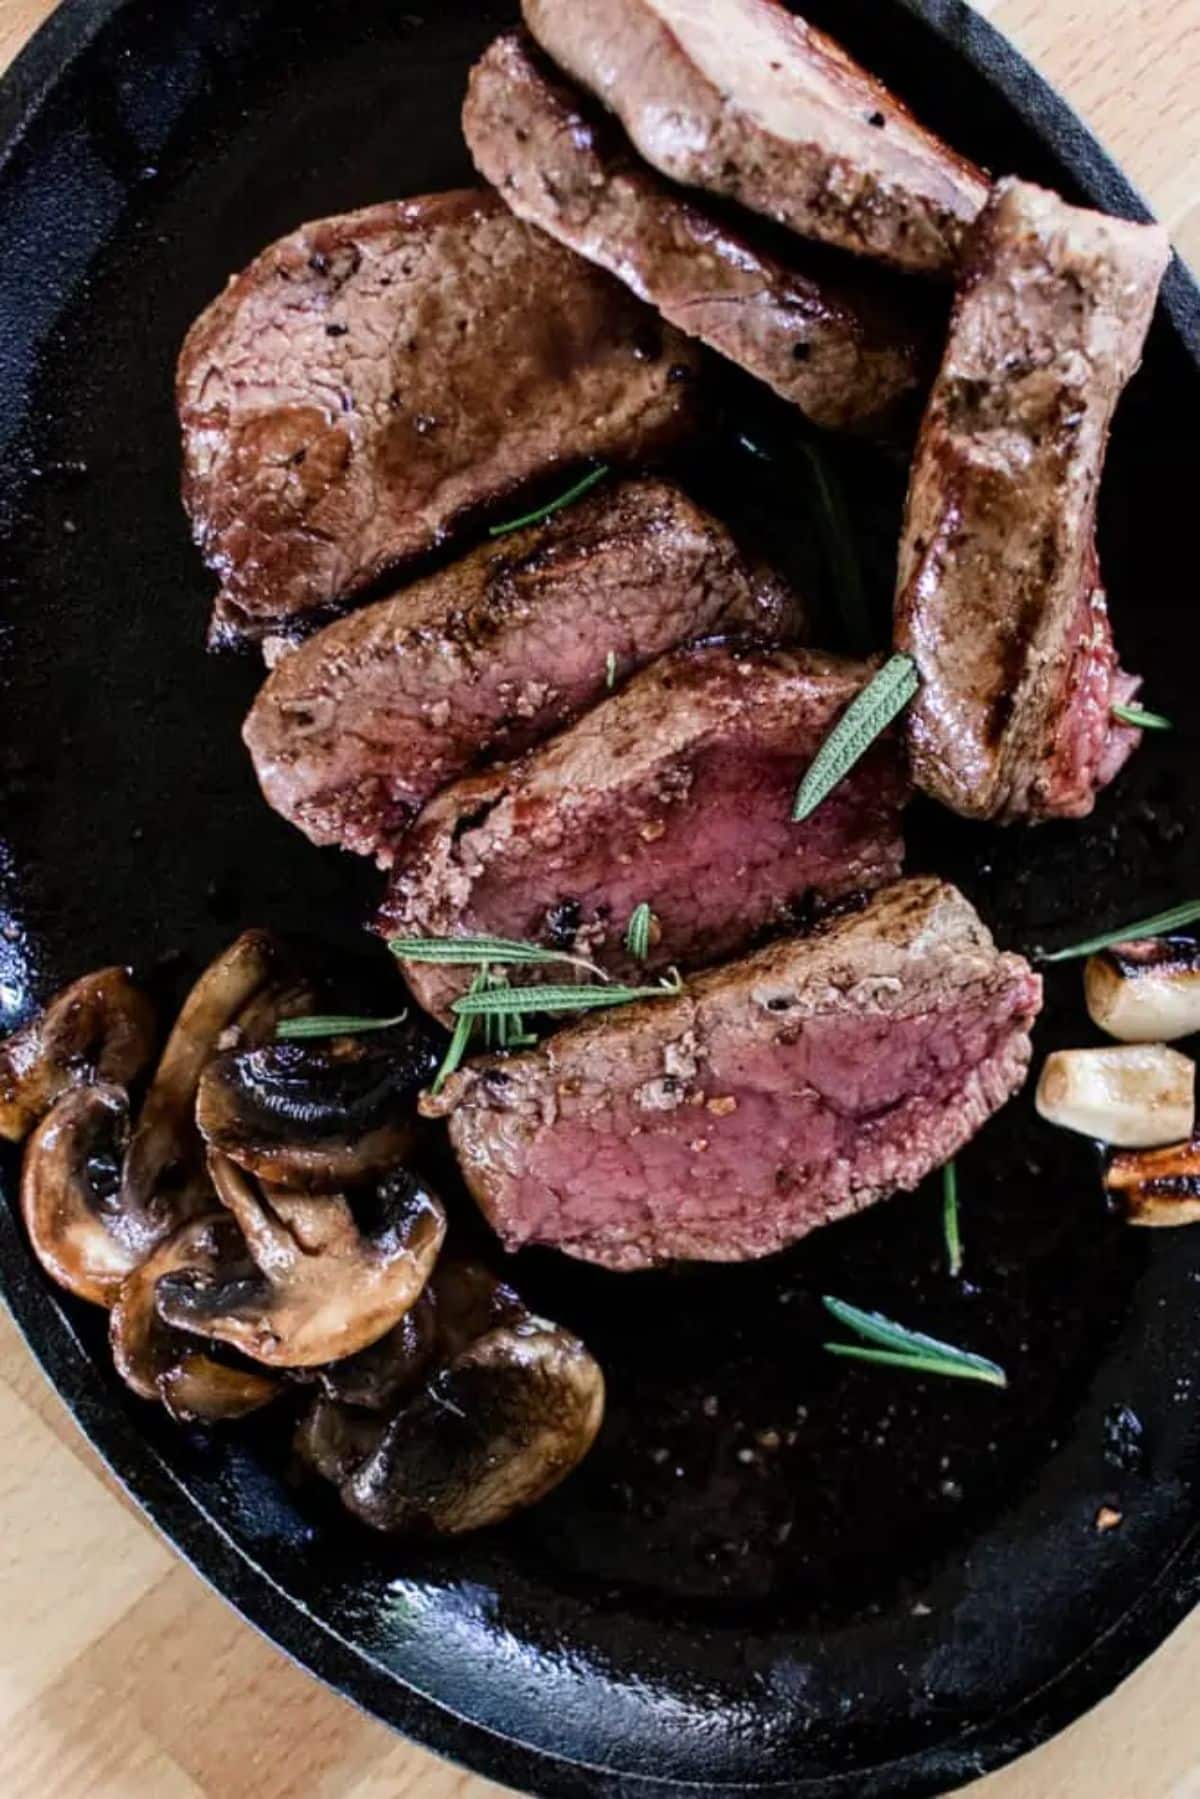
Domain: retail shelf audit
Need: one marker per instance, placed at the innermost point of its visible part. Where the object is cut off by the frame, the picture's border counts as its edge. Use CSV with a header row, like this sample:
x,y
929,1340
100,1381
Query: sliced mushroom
x,y
1136,1096
253,977
378,1377
160,1363
98,1032
326,1282
1147,991
71,1195
493,1432
1158,1187
316,1117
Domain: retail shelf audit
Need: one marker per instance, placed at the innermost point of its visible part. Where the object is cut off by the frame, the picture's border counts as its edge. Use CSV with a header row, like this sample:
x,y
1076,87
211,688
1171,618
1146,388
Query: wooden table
x,y
121,1675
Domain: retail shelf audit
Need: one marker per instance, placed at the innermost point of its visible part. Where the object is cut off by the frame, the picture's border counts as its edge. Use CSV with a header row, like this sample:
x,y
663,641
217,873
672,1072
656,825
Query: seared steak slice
x,y
744,99
362,724
999,598
676,792
841,344
371,378
770,1097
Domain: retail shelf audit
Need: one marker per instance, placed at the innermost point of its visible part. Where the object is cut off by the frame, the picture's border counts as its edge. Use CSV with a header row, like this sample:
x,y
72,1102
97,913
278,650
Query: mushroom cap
x,y
248,988
334,1440
98,1031
493,1432
329,1277
317,1117
378,1377
70,1194
470,1301
159,1363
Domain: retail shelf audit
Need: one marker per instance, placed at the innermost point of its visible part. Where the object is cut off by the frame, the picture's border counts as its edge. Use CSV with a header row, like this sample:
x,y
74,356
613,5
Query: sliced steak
x,y
770,1097
676,792
843,345
999,599
369,379
746,100
362,724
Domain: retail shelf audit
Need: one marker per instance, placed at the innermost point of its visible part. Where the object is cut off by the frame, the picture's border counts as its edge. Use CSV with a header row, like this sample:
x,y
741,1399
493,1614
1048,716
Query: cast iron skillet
x,y
776,1571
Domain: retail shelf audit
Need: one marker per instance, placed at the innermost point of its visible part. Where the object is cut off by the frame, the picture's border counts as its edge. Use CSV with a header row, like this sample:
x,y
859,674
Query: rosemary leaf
x,y
476,1004
610,670
637,932
1161,925
909,1346
991,1375
950,1220
567,499
1143,720
292,1030
470,952
868,714
460,1040
840,552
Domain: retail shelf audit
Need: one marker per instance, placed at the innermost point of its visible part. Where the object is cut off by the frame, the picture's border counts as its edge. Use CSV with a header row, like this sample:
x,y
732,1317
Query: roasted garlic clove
x,y
1146,991
1158,1187
1135,1096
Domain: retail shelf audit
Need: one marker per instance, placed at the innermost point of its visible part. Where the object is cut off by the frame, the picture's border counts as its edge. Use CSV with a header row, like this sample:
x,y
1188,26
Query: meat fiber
x,y
829,335
677,793
370,379
1000,600
772,1096
362,724
746,100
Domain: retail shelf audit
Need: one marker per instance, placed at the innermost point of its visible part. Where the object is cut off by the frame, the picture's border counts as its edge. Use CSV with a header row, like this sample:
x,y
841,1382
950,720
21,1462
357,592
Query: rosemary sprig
x,y
868,714
637,932
610,670
950,1219
292,1030
840,552
478,1004
471,952
459,1041
541,512
1161,925
897,1347
1143,720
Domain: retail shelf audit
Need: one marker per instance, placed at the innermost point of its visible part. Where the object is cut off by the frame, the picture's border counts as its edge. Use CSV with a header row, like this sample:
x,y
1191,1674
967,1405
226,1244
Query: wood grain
x,y
122,1677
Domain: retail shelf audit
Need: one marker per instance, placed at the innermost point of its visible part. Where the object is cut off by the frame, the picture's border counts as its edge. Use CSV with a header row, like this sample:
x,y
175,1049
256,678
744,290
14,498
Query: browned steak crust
x,y
841,342
774,1095
371,378
746,100
1000,600
357,728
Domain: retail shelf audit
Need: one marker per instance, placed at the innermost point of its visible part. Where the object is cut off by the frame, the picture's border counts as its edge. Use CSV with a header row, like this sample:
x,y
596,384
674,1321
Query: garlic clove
x,y
1146,991
1134,1095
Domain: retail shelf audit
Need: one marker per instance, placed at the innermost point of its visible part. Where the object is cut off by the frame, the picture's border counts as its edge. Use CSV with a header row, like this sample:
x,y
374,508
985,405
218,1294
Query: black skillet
x,y
776,1571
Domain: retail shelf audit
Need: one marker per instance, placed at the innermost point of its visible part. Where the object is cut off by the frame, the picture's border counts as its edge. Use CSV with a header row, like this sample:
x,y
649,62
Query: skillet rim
x,y
231,1571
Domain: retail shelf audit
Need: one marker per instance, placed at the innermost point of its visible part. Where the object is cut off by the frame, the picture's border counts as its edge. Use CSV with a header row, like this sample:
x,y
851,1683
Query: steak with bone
x,y
358,727
744,99
774,1095
675,793
371,379
835,338
1000,600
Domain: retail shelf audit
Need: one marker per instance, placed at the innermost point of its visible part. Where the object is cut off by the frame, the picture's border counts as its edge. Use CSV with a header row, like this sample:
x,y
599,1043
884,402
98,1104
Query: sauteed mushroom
x,y
317,1117
470,1301
159,1363
333,1440
493,1432
377,1377
82,1234
251,984
326,1282
98,1031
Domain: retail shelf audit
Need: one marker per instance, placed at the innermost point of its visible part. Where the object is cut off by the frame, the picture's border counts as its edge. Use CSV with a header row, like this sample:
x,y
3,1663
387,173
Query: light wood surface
x,y
122,1677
